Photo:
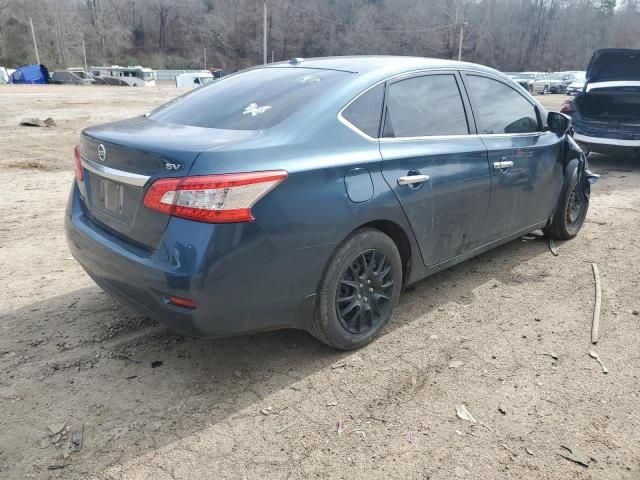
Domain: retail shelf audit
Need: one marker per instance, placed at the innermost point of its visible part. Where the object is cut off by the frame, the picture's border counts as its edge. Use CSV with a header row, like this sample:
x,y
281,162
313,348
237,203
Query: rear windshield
x,y
250,100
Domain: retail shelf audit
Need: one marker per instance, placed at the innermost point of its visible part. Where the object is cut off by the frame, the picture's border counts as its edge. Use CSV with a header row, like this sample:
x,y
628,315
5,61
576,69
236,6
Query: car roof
x,y
384,64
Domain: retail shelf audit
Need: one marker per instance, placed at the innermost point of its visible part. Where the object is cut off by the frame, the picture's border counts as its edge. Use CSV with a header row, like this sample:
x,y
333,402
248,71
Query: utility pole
x,y
84,54
35,45
462,25
264,34
204,54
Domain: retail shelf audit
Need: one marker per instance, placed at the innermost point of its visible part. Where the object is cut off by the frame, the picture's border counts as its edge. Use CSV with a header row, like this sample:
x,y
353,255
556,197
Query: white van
x,y
193,80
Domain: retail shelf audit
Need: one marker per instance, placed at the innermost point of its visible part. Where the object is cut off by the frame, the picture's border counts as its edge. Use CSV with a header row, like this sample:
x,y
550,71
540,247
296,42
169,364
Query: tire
x,y
544,90
531,89
345,318
570,214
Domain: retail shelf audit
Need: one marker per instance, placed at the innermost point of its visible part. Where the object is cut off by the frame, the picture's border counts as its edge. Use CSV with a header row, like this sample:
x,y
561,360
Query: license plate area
x,y
111,196
115,200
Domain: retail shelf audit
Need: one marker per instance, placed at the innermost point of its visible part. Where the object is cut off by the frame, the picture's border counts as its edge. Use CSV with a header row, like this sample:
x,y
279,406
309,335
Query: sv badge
x,y
172,166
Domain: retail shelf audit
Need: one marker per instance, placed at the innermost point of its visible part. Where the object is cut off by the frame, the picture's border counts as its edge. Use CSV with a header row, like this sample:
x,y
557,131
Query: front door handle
x,y
502,165
412,179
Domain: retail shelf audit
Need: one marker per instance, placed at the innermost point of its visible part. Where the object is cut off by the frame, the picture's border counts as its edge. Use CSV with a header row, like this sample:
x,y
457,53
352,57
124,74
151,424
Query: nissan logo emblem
x,y
102,153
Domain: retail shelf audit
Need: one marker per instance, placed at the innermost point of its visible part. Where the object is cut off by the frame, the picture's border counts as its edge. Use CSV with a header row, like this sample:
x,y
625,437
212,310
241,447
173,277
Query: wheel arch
x,y
399,237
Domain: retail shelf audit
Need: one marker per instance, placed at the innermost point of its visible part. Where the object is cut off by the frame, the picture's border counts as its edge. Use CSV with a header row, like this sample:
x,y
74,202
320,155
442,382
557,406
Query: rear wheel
x,y
359,290
545,90
570,213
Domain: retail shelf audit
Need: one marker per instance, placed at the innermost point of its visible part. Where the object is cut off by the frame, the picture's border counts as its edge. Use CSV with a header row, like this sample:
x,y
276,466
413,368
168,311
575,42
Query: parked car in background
x,y
606,115
71,77
577,81
30,74
572,76
193,80
220,72
557,83
533,82
305,194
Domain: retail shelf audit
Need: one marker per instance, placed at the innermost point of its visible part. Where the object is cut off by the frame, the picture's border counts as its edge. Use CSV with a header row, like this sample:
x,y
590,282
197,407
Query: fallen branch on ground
x,y
595,326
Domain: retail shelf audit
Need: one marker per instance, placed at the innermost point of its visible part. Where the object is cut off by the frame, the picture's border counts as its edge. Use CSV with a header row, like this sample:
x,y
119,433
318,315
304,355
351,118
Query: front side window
x,y
364,113
425,106
251,100
499,108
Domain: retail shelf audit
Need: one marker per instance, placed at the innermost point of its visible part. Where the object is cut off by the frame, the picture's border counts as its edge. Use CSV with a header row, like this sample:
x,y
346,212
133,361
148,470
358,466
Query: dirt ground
x,y
506,334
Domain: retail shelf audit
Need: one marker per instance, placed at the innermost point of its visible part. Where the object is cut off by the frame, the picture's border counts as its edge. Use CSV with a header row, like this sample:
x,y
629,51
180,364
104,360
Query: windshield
x,y
206,80
250,100
146,75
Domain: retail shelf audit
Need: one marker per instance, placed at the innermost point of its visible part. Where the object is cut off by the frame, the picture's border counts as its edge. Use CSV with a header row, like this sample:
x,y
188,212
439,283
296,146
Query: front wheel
x,y
544,90
570,213
359,290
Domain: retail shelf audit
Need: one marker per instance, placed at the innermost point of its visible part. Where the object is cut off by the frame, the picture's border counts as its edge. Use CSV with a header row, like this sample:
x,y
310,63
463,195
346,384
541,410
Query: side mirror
x,y
558,122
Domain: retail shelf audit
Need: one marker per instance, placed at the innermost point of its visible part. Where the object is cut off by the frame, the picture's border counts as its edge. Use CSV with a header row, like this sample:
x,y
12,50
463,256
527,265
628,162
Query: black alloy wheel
x,y
365,291
359,290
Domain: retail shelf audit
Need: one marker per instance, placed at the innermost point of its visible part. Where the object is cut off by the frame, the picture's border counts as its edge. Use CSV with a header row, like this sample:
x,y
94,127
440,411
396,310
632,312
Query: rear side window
x,y
425,106
365,111
251,100
500,109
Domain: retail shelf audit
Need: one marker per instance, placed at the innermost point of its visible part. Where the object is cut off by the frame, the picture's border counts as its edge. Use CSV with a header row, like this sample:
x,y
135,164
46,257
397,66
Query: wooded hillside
x,y
507,34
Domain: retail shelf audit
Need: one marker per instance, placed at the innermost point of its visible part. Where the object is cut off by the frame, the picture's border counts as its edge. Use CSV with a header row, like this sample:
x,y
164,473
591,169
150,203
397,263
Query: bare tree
x,y
506,34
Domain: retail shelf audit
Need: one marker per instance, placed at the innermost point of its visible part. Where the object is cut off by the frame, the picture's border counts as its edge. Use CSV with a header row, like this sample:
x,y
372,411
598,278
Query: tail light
x,y
226,198
78,163
567,107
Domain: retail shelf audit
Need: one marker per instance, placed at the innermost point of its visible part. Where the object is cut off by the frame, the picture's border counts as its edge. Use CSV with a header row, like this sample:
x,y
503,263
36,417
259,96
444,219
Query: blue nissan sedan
x,y
306,194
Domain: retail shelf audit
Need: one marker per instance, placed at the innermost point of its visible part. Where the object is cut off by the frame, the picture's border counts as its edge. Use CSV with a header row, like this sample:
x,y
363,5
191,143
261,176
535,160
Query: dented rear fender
x,y
576,163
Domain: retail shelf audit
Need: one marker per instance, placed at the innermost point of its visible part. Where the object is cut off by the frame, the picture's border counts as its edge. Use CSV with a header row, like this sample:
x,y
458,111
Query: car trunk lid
x,y
121,160
612,64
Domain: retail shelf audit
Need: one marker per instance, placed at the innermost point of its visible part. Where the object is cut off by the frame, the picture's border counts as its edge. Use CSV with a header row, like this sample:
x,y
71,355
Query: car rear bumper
x,y
239,282
605,143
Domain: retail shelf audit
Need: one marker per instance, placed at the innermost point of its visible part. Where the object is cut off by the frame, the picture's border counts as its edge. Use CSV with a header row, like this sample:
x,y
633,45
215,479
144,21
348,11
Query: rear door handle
x,y
411,179
502,165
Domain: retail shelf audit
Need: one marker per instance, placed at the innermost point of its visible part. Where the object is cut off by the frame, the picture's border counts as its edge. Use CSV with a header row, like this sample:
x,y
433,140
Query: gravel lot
x,y
507,334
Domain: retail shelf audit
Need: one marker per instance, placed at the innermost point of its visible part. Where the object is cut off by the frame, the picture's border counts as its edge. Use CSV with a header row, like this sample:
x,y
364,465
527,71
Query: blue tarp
x,y
31,74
